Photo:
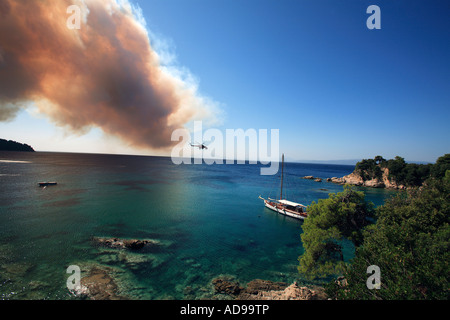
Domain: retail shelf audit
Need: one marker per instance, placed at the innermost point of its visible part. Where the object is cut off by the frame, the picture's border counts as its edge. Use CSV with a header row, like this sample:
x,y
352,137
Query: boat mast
x,y
282,166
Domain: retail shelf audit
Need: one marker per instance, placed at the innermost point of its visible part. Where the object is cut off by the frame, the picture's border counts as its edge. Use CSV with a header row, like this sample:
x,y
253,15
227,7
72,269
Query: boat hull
x,y
45,184
272,206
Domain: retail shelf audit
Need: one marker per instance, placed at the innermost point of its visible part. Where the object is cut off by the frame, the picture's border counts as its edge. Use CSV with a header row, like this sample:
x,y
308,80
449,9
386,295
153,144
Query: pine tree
x,y
331,222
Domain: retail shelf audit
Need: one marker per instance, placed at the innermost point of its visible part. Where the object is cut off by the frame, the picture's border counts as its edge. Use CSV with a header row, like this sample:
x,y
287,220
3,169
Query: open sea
x,y
207,219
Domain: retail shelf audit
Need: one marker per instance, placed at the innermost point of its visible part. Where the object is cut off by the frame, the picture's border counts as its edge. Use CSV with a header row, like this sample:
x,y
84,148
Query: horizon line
x,y
306,161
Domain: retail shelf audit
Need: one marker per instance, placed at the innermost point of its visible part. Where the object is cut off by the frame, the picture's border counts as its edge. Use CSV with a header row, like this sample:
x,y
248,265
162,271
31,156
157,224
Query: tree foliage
x,y
410,242
9,145
330,222
441,166
408,239
369,169
401,172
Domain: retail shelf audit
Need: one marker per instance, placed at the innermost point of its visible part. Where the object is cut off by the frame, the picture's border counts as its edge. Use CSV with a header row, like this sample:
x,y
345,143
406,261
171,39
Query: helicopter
x,y
201,146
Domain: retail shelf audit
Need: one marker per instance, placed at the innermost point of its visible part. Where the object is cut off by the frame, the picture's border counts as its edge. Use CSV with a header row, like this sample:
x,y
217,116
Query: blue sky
x,y
334,88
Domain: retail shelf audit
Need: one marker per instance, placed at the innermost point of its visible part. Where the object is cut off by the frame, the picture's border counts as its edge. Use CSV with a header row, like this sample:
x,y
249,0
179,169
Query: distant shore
x,y
10,145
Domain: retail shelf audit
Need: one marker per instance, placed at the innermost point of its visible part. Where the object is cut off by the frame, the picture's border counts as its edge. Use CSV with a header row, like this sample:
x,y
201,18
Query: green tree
x,y
441,166
330,223
368,169
379,160
396,169
410,243
412,175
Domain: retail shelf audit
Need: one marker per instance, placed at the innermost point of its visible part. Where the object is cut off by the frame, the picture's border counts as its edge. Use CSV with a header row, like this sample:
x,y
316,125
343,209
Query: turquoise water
x,y
208,219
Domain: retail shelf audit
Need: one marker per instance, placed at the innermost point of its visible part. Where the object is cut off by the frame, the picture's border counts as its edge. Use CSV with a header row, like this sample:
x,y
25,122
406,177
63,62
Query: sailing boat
x,y
283,206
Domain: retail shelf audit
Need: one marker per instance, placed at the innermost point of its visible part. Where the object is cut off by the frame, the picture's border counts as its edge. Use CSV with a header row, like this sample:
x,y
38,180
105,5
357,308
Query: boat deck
x,y
277,207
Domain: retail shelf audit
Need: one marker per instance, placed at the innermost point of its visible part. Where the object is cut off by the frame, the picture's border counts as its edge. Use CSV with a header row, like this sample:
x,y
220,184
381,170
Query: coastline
x,y
103,283
355,179
10,145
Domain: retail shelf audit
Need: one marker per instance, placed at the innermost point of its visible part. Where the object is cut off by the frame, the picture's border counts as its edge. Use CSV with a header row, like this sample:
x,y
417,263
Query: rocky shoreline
x,y
267,290
100,284
103,282
355,179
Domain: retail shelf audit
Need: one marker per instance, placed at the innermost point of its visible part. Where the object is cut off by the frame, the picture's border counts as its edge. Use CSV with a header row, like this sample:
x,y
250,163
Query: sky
x,y
311,69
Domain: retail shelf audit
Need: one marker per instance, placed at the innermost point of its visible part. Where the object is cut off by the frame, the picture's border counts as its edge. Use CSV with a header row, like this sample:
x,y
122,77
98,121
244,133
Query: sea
x,y
206,219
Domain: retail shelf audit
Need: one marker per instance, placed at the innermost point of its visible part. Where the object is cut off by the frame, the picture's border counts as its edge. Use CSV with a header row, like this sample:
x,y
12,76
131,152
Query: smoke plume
x,y
103,74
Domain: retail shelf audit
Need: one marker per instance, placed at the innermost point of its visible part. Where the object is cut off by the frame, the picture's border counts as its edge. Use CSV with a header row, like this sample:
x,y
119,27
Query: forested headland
x,y
393,173
9,145
401,172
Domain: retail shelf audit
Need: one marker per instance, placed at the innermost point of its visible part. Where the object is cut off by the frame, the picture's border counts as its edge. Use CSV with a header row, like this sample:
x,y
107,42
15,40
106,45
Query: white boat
x,y
283,206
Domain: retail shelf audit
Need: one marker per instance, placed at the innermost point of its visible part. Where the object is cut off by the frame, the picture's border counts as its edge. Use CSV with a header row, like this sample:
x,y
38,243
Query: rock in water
x,y
132,244
257,285
135,244
98,285
222,285
279,291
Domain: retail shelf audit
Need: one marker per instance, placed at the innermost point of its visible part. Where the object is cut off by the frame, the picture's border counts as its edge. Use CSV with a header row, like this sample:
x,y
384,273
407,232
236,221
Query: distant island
x,y
9,145
392,174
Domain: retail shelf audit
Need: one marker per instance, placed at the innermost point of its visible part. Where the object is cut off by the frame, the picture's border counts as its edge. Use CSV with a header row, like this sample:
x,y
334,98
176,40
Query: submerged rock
x,y
98,284
132,244
15,269
226,286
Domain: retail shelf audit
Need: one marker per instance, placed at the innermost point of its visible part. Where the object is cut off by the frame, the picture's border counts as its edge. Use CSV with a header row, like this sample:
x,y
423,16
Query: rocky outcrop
x,y
256,286
355,179
293,292
267,290
132,244
282,292
312,178
226,286
98,284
